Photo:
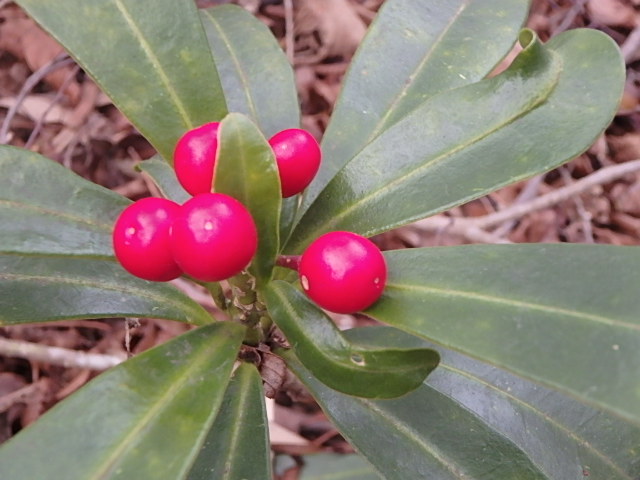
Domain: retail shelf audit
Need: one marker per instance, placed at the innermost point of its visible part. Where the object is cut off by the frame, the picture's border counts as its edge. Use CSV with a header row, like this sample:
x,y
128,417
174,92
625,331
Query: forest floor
x,y
68,119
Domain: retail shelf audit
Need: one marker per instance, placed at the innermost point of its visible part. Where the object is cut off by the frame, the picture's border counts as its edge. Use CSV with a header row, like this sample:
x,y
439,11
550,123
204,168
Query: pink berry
x,y
343,272
141,239
194,158
298,157
213,237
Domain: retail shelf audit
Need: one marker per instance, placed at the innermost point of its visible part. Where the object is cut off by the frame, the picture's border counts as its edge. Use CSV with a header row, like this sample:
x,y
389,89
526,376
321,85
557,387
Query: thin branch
x,y
288,30
630,46
474,228
583,213
57,355
18,396
60,61
36,129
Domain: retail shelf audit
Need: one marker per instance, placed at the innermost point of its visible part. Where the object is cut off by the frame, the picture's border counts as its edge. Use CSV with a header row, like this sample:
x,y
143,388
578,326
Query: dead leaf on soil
x,y
336,22
24,39
612,13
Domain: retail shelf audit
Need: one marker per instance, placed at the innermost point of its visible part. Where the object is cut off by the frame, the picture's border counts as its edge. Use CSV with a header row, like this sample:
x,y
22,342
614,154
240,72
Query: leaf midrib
x,y
184,377
236,62
403,92
587,445
155,62
55,213
448,292
161,299
418,171
240,406
417,439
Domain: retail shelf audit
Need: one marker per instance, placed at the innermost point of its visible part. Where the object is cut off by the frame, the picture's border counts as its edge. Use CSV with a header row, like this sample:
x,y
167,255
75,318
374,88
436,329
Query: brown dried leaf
x,y
625,147
23,38
338,25
612,13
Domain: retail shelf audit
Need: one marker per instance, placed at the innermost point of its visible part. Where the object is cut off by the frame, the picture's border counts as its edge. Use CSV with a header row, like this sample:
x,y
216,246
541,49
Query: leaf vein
x,y
447,292
155,62
581,440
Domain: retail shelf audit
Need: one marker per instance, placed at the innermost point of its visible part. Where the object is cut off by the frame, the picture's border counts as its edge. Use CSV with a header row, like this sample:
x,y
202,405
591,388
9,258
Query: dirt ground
x,y
65,117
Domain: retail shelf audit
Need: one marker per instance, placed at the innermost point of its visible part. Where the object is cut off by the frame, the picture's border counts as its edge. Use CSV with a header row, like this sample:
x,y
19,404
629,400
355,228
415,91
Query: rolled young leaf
x,y
563,437
414,49
47,209
246,170
237,444
41,288
347,367
565,316
146,418
548,107
152,60
420,435
256,76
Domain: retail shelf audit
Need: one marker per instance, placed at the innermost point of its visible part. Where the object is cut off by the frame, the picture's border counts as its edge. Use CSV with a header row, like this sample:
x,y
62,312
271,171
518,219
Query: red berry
x,y
213,237
194,158
343,272
141,239
298,157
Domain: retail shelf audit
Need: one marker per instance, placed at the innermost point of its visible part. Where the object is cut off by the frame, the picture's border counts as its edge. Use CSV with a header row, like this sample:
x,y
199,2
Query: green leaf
x,y
237,445
565,316
45,208
563,437
330,466
45,288
256,76
151,59
347,367
421,435
412,51
547,108
246,170
164,176
146,418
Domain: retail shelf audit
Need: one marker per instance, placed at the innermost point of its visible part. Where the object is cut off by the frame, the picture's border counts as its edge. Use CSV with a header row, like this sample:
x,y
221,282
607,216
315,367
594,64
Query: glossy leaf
x,y
563,437
246,169
237,445
256,77
152,60
565,316
420,435
45,208
164,176
548,107
40,288
329,466
145,418
347,367
413,50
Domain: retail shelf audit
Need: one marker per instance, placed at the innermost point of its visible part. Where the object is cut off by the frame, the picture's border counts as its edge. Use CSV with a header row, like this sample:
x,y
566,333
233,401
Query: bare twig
x,y
60,61
57,355
631,45
529,192
36,129
576,10
585,216
289,30
474,229
18,396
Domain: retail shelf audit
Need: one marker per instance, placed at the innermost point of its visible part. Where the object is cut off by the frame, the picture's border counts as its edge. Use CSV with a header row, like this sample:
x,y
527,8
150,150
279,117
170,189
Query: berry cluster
x,y
212,236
